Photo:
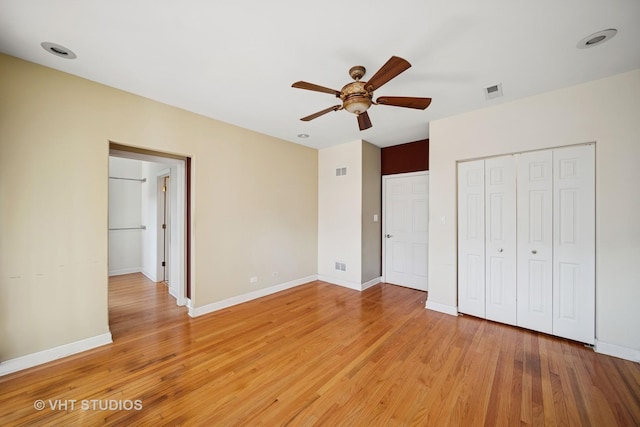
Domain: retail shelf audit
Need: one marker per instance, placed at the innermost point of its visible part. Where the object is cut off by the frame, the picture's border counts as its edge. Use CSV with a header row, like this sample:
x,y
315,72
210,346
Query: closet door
x,y
471,292
535,241
574,243
500,239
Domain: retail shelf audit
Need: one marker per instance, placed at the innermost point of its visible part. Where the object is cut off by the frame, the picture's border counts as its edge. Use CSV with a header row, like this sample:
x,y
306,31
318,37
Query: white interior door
x,y
574,243
405,229
471,234
535,241
500,239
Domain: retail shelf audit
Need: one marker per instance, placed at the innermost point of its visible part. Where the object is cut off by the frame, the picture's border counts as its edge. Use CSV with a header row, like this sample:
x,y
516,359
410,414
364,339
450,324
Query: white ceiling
x,y
235,60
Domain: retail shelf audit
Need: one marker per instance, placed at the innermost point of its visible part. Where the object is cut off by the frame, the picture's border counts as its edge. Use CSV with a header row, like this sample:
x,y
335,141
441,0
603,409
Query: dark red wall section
x,y
403,158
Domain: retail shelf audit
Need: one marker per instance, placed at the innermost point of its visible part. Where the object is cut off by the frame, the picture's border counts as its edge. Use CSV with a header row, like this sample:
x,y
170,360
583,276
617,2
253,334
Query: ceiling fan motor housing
x,y
355,97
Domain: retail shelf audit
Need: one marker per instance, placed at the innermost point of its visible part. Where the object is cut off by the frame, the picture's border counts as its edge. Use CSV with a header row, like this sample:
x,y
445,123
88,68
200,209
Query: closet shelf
x,y
129,179
140,227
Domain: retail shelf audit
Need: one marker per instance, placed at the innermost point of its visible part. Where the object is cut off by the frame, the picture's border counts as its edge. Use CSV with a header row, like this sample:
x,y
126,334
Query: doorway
x,y
164,218
405,214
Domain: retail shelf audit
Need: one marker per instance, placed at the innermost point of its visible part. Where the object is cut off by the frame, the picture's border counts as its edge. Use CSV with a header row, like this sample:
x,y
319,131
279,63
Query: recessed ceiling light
x,y
303,135
58,50
597,38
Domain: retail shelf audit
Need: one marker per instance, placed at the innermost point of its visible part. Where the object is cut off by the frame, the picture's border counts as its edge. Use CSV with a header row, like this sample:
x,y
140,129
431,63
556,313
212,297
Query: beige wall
x,y
255,202
346,231
605,111
371,205
339,215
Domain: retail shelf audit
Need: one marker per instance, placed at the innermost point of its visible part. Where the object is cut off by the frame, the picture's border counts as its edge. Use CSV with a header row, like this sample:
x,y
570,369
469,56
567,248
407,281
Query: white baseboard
x,y
371,283
210,308
442,308
350,285
180,301
51,354
617,351
340,282
122,271
149,276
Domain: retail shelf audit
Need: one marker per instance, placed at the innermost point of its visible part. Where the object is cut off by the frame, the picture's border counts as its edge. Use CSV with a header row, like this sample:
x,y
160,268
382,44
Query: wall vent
x,y
341,171
341,266
494,91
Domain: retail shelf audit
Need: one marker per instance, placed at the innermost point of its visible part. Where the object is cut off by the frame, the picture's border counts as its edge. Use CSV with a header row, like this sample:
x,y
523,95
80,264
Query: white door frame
x,y
178,225
385,178
160,255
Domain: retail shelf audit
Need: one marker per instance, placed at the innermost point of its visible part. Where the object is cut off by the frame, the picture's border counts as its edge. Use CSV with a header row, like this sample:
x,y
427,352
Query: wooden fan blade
x,y
391,69
317,88
364,121
404,101
320,113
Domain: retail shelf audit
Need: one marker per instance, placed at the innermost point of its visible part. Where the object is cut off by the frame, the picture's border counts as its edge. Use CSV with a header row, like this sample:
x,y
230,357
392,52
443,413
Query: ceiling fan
x,y
357,96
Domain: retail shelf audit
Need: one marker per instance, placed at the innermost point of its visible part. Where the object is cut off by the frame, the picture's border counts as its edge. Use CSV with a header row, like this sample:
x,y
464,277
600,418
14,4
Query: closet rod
x,y
142,227
129,179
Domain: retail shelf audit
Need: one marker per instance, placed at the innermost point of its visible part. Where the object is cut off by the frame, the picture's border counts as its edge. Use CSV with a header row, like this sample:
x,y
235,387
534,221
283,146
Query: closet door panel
x,y
500,239
471,235
535,241
574,243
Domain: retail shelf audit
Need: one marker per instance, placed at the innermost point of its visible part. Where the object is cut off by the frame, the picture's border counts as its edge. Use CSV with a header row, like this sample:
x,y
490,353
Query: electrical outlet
x,y
275,274
253,279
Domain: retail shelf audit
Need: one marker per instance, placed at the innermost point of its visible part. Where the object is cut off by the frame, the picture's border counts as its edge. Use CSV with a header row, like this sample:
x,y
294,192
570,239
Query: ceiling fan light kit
x,y
357,96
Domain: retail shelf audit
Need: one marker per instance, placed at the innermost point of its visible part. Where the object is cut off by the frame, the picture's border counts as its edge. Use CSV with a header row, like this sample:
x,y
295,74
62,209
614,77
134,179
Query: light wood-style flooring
x,y
319,354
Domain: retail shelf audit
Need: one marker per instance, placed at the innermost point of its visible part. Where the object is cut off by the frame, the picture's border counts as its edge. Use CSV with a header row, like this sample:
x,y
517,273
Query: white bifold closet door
x,y
535,240
500,239
574,243
471,259
487,239
526,240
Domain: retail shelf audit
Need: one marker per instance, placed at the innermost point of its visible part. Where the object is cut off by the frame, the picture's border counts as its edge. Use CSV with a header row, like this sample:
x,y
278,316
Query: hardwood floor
x,y
323,355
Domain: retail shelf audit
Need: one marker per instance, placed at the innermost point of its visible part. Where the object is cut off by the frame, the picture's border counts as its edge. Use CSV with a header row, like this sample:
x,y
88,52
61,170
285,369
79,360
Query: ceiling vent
x,y
494,91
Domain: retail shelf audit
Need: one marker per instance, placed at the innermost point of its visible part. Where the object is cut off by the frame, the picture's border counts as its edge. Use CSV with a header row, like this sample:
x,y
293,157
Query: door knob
x,y
500,250
388,236
534,252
